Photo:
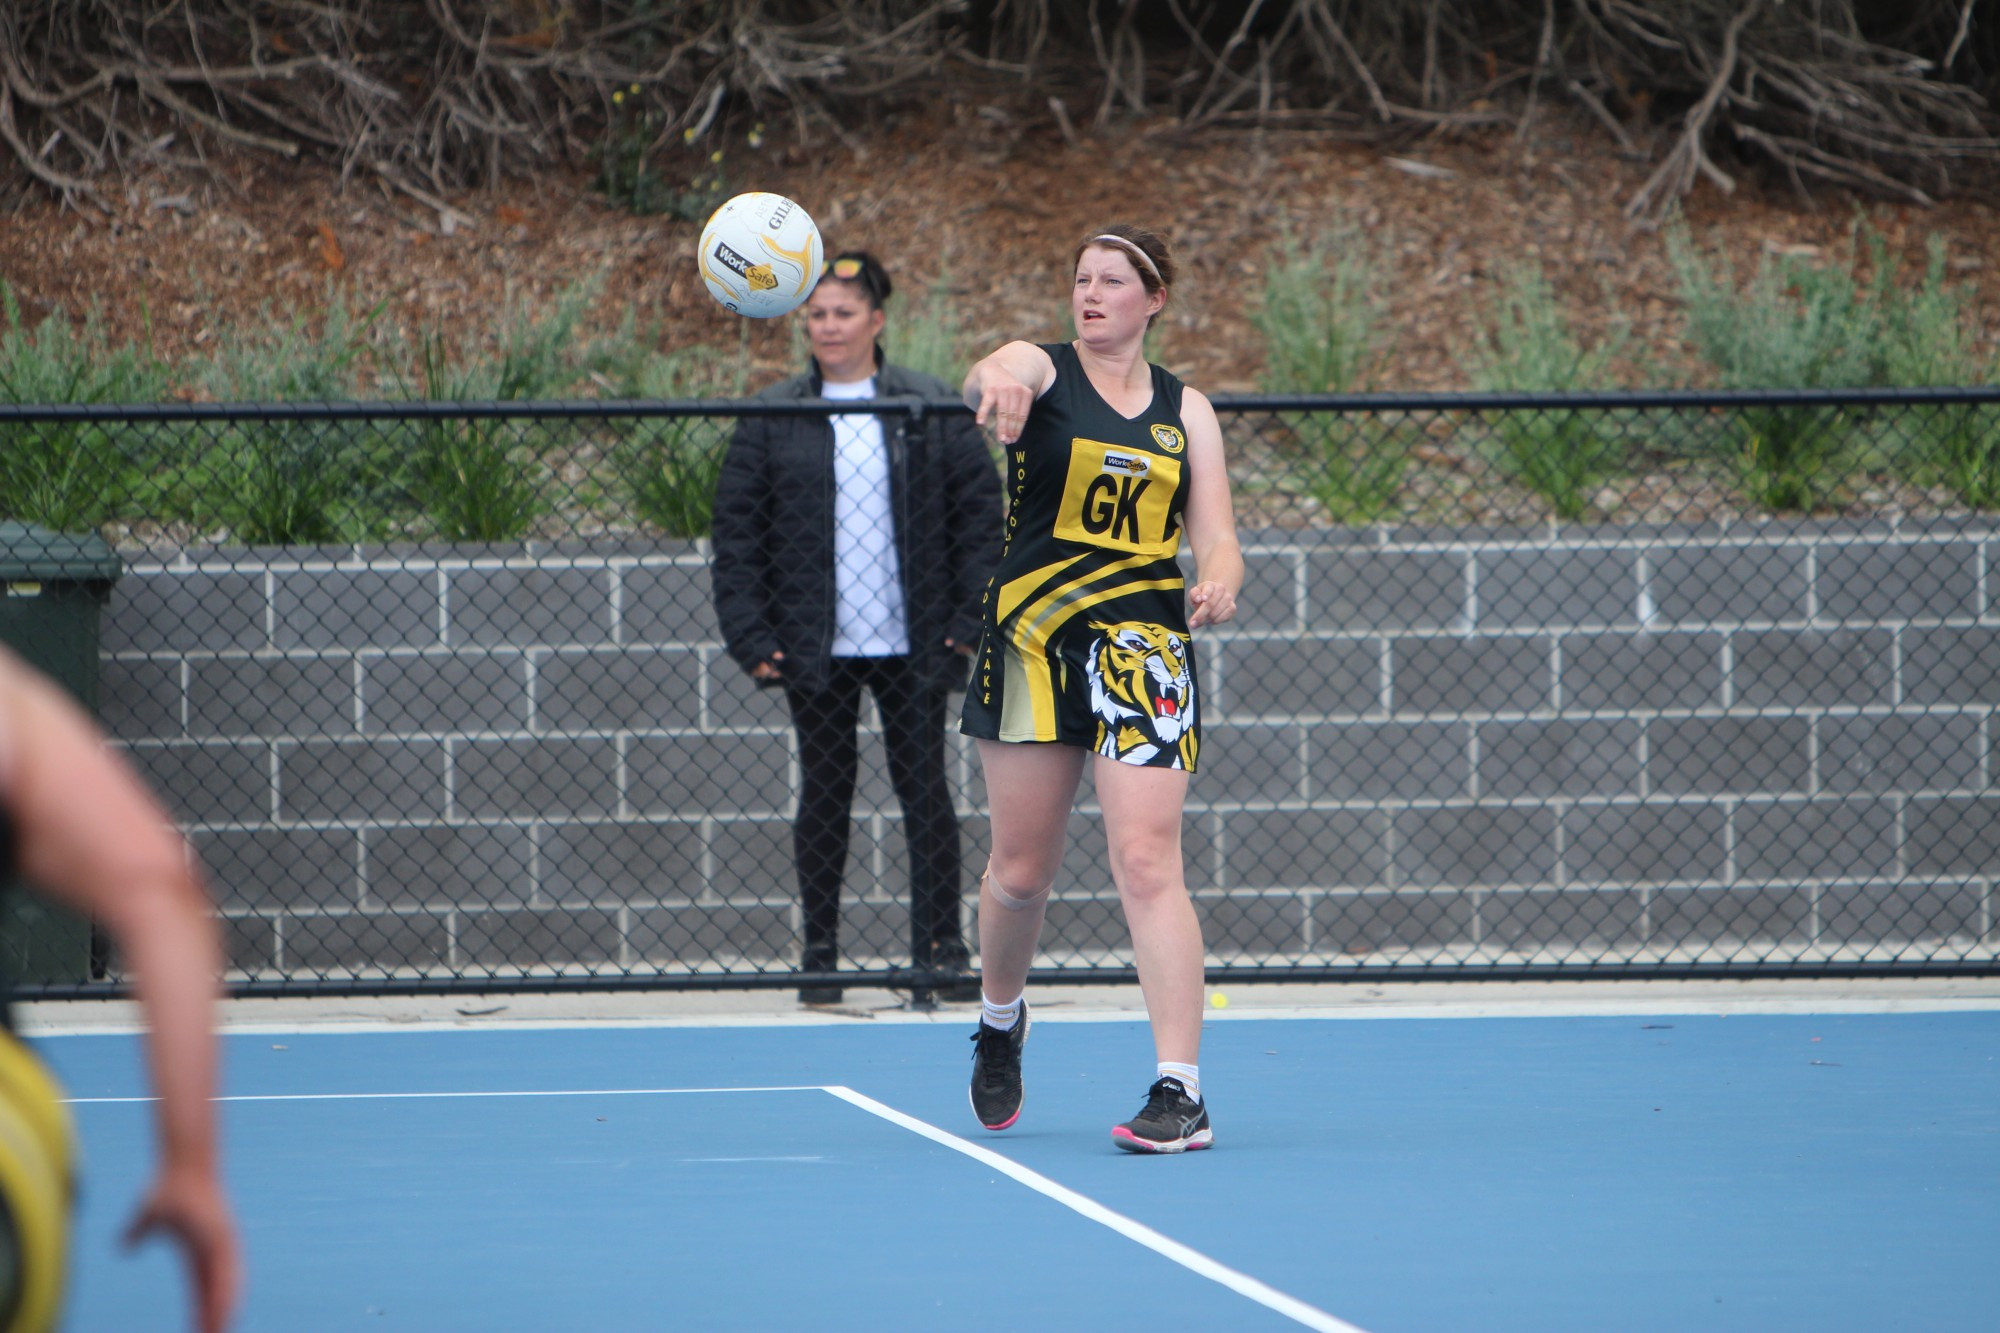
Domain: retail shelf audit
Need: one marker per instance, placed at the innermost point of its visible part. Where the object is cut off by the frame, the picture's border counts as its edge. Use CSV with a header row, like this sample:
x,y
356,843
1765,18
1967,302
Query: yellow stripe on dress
x,y
1031,644
35,1176
1035,643
1020,720
26,1082
1016,591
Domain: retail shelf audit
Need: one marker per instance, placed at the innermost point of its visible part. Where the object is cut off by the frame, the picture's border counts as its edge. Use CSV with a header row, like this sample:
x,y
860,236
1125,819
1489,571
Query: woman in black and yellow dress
x,y
76,823
1085,656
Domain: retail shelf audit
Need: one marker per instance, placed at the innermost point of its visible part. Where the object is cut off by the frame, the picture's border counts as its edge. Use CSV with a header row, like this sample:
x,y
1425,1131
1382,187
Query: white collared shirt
x,y
868,616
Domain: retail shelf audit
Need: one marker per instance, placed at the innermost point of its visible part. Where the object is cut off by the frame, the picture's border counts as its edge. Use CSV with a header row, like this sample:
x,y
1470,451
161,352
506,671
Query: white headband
x,y
1134,251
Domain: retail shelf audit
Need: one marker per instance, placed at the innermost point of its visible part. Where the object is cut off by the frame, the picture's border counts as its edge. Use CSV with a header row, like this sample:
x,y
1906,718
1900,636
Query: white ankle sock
x,y
1188,1075
999,1017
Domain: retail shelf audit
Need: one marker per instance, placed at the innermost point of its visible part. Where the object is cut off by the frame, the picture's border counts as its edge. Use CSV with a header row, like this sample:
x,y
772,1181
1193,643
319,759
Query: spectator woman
x,y
851,552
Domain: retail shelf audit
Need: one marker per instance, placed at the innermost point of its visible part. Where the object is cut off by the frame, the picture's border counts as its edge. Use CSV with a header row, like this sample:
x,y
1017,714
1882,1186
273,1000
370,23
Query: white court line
x,y
440,1096
1193,1260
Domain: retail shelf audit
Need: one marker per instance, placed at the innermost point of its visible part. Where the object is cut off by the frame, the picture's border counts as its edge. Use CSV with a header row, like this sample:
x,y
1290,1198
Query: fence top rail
x,y
1605,400
626,408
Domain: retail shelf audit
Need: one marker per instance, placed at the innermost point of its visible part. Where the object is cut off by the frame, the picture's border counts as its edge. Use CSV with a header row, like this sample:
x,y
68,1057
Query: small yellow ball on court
x,y
1219,1000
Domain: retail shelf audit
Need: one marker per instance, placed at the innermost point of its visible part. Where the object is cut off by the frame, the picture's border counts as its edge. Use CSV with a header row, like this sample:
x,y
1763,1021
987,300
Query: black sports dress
x,y
1085,639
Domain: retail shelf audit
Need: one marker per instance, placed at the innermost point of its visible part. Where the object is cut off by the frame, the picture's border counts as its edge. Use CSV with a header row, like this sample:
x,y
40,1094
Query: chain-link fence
x,y
1656,685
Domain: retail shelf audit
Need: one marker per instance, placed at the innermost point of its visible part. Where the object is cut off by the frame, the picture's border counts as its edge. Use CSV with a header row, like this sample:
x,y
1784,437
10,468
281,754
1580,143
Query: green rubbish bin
x,y
53,590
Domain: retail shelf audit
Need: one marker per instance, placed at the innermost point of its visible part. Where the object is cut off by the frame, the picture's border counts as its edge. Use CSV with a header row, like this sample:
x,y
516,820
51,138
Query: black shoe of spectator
x,y
952,959
819,958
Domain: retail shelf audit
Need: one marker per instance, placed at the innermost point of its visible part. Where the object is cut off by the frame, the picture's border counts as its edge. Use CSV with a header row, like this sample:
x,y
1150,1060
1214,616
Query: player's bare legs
x,y
1030,789
1142,822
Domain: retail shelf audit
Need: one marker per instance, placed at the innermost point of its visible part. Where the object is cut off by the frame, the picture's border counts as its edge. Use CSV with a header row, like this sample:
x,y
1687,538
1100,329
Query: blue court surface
x,y
1398,1175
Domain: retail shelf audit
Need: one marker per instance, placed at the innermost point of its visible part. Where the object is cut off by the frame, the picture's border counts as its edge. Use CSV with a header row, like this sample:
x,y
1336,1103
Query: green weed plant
x,y
1561,454
1931,341
666,469
1317,321
290,483
473,479
537,353
1318,316
669,470
482,479
625,171
629,363
1794,324
627,158
69,477
1791,323
1356,464
929,334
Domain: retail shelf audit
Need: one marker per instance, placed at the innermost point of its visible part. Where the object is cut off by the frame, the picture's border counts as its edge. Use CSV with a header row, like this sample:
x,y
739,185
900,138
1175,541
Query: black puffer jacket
x,y
773,531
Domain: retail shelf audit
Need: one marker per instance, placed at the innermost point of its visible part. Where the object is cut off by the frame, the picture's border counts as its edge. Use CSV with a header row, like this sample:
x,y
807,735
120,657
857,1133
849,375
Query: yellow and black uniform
x,y
1085,637
36,1166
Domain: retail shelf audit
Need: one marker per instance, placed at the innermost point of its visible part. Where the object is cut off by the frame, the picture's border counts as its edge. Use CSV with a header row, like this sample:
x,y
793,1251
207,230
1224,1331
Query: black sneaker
x,y
996,1072
819,958
955,961
1172,1121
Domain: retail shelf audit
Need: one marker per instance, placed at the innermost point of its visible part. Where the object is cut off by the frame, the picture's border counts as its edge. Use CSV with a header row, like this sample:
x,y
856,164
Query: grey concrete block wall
x,y
1738,742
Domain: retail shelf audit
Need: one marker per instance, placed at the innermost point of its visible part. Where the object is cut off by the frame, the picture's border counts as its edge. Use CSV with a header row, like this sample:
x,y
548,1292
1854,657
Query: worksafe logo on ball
x,y
759,276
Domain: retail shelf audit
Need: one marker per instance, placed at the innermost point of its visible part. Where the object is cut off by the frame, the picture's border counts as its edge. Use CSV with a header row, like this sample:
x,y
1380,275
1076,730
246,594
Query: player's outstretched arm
x,y
92,837
1003,386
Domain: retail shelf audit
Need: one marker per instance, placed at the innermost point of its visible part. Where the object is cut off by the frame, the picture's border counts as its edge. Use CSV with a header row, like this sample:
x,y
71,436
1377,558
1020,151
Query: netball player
x,y
78,825
1085,657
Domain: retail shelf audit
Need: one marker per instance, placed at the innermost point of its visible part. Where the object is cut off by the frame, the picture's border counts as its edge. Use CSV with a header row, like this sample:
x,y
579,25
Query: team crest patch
x,y
1142,694
1169,438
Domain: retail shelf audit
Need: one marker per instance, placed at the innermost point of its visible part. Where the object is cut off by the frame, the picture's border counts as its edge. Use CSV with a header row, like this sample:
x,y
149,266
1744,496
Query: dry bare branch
x,y
70,189
1688,155
1544,52
444,96
1596,107
1958,38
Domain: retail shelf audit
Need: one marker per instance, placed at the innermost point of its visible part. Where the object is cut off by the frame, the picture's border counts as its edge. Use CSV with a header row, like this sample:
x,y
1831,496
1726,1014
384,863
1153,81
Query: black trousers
x,y
913,733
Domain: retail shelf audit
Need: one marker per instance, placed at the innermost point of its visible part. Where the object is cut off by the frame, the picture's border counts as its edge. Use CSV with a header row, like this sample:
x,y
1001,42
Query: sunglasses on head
x,y
847,268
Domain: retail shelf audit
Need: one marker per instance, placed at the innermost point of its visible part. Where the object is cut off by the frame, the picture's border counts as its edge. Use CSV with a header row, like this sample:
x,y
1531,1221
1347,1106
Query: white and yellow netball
x,y
760,255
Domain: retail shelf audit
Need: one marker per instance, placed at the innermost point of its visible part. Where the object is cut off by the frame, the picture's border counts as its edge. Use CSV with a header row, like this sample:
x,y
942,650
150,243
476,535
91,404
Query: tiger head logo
x,y
1142,693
